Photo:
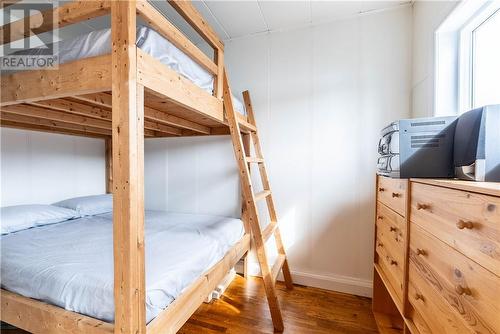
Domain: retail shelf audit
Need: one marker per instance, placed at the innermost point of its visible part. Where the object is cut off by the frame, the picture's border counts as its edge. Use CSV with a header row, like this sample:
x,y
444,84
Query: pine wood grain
x,y
466,221
392,192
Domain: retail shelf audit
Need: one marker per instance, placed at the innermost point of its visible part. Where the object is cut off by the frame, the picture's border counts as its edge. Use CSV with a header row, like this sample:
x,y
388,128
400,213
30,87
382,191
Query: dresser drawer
x,y
468,222
389,246
458,288
392,270
391,232
431,314
392,192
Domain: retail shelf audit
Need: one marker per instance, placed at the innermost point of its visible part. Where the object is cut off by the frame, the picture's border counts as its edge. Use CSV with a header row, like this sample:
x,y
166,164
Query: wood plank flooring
x,y
243,309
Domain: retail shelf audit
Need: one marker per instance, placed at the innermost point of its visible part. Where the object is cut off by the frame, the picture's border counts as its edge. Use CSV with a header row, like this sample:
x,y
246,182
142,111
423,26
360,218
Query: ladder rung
x,y
269,230
277,266
244,125
255,160
263,194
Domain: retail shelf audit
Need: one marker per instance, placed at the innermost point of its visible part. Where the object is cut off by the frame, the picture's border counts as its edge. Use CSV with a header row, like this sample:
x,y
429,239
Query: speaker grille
x,y
427,141
427,123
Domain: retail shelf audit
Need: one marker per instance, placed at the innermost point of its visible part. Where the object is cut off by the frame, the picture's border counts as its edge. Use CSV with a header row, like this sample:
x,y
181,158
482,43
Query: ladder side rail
x,y
252,208
266,184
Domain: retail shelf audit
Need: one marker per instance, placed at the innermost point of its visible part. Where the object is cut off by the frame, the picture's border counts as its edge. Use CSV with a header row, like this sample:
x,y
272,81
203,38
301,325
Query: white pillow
x,y
89,205
21,217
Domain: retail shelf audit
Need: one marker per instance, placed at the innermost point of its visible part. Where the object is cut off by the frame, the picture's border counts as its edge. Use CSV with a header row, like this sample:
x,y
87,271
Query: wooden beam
x,y
24,119
64,15
219,78
162,117
84,76
100,99
179,311
75,108
104,100
162,128
48,129
166,83
194,18
108,154
68,108
7,3
220,131
38,317
55,115
163,26
128,173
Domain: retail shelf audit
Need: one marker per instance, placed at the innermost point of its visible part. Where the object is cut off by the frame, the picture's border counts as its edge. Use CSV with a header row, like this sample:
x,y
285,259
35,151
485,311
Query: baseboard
x,y
346,284
339,283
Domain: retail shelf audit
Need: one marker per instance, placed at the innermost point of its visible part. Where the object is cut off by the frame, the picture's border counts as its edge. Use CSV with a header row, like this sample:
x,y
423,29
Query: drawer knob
x,y
463,290
418,296
421,252
380,244
394,263
381,189
396,195
461,224
380,217
393,229
422,206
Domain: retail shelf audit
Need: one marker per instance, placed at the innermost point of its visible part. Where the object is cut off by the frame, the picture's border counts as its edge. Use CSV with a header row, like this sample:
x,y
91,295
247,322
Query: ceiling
x,y
235,19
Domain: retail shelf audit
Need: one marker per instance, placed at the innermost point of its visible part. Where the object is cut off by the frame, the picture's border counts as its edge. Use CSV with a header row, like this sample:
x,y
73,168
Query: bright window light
x,y
485,83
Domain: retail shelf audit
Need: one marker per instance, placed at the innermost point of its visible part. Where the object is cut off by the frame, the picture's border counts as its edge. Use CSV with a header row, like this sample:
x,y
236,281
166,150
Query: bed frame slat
x,y
104,100
84,76
194,18
153,75
49,129
40,318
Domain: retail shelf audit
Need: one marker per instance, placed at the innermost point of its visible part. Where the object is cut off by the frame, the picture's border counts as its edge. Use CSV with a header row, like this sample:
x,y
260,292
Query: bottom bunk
x,y
69,265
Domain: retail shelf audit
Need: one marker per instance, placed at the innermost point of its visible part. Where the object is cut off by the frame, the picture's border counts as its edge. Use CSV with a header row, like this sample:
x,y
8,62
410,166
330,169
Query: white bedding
x,y
98,43
70,264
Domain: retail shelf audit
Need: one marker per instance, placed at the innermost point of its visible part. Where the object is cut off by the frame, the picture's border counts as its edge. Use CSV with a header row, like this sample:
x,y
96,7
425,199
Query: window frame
x,y
466,54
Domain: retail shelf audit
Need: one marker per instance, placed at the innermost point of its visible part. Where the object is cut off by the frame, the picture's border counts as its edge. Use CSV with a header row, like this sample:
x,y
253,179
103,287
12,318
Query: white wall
x,y
195,175
321,95
427,17
42,168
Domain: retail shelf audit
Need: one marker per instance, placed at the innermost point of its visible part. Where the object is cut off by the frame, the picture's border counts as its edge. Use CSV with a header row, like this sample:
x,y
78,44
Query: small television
x,y
477,145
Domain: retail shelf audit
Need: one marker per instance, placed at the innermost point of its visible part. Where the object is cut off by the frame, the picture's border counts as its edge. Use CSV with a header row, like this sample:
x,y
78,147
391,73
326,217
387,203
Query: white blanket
x,y
71,264
98,43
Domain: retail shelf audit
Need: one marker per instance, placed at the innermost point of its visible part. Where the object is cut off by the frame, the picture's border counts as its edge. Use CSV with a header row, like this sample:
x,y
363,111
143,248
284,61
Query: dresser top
x,y
488,188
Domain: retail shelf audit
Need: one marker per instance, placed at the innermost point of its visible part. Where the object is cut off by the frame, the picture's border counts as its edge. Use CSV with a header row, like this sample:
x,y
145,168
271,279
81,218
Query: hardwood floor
x,y
243,309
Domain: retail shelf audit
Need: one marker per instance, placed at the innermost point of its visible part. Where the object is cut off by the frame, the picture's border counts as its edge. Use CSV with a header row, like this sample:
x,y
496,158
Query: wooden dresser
x,y
437,256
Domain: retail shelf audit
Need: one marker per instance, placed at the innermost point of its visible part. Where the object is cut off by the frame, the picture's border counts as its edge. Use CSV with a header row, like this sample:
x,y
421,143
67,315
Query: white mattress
x,y
71,264
98,43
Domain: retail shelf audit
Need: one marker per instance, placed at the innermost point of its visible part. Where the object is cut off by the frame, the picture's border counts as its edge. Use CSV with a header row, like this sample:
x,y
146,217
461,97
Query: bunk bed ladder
x,y
242,132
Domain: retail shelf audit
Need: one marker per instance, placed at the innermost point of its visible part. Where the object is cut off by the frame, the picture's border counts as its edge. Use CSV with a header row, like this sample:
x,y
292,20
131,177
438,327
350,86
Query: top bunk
x,y
183,87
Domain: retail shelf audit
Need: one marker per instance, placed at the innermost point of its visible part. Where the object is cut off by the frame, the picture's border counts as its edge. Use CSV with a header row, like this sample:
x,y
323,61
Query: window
x,y
479,59
485,83
467,58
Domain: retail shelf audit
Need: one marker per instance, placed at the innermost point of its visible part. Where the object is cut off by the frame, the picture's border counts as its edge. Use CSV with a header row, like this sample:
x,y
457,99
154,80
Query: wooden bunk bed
x,y
124,97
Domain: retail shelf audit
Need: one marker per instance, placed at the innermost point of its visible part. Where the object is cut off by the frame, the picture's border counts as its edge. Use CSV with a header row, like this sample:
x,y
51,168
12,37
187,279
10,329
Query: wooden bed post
x,y
128,173
108,154
219,60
